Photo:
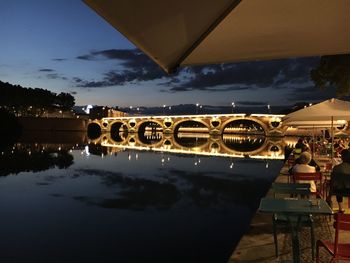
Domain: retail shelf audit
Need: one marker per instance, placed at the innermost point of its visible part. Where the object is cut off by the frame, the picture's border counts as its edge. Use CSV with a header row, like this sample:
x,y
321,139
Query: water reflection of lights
x,y
197,162
231,165
87,150
240,139
213,152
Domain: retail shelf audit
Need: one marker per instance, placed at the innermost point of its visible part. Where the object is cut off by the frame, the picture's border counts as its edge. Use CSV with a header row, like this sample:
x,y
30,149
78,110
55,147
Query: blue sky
x,y
64,46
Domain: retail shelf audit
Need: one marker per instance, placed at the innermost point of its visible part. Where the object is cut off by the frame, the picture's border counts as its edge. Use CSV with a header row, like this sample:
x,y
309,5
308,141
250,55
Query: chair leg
x,y
317,253
275,235
313,241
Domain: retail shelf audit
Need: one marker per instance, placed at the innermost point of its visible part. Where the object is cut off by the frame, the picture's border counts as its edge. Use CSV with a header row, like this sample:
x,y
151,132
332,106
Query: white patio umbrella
x,y
326,111
329,113
190,32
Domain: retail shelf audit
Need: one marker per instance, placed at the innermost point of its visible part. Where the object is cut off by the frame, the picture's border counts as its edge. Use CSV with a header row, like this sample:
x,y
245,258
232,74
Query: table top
x,y
294,206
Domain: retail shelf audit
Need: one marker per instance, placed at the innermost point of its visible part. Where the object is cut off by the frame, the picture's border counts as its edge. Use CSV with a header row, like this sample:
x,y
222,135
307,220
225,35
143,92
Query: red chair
x,y
317,177
339,251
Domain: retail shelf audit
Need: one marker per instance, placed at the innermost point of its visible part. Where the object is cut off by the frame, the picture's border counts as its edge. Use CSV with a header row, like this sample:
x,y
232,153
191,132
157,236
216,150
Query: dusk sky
x,y
64,46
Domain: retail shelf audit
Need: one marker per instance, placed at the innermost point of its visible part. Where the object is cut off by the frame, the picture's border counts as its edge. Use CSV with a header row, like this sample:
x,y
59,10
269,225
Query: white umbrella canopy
x,y
191,32
332,109
327,114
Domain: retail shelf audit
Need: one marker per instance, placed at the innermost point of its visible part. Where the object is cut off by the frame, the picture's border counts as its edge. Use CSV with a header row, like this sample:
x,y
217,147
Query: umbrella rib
x,y
215,23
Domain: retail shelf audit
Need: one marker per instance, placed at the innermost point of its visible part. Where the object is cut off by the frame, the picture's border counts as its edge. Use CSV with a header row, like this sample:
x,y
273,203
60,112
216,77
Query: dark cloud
x,y
55,76
136,67
85,57
52,74
311,93
262,74
46,70
77,80
73,92
251,103
59,59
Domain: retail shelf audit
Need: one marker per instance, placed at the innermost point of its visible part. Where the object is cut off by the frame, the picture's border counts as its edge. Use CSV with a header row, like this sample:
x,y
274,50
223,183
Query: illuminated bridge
x,y
229,145
258,124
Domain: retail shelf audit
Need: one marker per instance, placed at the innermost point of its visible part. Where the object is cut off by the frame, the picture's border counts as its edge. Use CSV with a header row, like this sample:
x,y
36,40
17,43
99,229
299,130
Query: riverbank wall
x,y
53,124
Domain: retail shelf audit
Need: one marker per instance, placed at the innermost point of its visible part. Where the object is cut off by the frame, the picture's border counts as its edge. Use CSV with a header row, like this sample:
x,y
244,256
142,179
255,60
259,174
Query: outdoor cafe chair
x,y
327,177
316,176
338,251
292,189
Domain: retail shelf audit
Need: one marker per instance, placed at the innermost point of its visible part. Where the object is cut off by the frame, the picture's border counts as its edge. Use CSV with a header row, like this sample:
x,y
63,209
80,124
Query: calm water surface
x,y
61,203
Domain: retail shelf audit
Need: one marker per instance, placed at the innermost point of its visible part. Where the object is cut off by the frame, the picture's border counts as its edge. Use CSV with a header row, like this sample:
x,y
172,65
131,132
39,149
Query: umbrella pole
x,y
313,141
332,138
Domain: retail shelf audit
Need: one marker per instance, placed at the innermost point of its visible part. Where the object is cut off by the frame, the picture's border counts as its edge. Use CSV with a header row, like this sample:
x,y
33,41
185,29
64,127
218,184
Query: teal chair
x,y
292,190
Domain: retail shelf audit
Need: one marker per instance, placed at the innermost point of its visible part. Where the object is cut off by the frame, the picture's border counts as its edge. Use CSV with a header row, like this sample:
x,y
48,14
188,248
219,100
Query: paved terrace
x,y
257,244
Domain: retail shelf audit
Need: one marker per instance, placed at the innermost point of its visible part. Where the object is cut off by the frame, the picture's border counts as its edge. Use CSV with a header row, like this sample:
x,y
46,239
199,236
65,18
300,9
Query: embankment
x,y
53,124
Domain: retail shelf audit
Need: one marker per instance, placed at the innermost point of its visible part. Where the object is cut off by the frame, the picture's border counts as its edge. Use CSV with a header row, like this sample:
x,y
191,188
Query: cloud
x,y
52,74
311,93
263,74
59,59
46,70
251,103
55,76
135,66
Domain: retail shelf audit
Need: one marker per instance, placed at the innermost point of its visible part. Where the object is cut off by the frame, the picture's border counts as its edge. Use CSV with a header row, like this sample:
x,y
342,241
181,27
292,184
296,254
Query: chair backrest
x,y
291,188
341,222
316,176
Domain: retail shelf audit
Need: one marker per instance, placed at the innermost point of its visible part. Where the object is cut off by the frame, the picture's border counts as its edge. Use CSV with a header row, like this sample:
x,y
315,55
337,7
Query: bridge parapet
x,y
270,124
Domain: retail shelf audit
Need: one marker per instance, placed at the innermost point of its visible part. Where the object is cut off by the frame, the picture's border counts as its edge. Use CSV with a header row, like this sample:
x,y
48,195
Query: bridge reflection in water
x,y
226,145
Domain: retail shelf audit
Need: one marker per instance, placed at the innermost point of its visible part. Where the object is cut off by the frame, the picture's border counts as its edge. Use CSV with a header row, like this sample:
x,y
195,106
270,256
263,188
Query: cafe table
x,y
294,209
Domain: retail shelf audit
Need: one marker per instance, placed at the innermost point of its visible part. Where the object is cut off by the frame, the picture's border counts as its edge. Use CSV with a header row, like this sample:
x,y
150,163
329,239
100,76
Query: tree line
x,y
19,97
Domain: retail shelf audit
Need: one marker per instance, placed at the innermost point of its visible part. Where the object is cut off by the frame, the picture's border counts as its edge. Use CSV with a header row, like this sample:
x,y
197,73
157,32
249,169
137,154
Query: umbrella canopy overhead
x,y
191,32
335,109
317,124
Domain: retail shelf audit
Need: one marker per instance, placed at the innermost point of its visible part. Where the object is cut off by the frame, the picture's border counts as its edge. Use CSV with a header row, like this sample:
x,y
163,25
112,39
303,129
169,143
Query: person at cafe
x,y
312,162
340,180
303,167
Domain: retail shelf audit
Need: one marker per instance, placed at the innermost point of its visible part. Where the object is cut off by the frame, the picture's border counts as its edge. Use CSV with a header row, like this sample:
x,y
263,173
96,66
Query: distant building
x,y
99,112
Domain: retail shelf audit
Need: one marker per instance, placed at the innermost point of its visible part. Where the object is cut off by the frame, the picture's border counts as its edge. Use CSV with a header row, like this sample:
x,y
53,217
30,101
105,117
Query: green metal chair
x,y
292,190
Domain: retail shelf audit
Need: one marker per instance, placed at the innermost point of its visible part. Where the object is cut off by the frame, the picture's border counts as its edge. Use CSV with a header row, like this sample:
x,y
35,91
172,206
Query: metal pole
x,y
332,138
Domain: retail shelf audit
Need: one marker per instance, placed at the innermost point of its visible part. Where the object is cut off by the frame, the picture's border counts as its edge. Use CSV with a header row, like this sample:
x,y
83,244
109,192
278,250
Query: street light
x,y
164,109
233,105
269,108
169,110
197,104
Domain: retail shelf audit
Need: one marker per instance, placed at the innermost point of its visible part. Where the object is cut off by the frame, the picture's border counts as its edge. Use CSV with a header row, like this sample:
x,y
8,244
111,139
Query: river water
x,y
67,199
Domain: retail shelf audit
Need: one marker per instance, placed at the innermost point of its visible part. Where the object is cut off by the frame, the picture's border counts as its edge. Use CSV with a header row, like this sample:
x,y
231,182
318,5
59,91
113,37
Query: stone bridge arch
x,y
176,125
142,122
253,119
237,152
198,147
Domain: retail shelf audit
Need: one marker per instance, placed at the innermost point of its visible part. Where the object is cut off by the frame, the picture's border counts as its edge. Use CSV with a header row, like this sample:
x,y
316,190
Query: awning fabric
x,y
191,32
332,109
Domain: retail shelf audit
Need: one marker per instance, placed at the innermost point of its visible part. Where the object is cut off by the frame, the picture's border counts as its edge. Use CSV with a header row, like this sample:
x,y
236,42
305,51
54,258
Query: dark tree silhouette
x,y
333,71
20,98
65,100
